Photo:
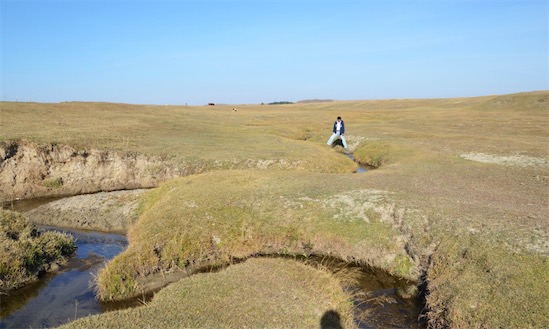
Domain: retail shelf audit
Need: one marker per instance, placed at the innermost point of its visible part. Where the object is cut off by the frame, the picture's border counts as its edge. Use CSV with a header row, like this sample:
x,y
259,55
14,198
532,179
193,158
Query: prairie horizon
x,y
271,102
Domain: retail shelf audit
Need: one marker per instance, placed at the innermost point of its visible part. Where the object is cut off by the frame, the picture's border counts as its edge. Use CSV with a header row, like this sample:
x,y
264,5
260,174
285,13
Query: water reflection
x,y
58,298
361,168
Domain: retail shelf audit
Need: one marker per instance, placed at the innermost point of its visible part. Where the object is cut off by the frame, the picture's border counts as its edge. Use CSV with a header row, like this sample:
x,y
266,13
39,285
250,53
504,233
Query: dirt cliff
x,y
29,170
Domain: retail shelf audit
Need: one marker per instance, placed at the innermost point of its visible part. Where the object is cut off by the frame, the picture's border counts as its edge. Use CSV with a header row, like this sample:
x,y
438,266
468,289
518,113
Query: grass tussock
x,y
259,293
212,218
25,252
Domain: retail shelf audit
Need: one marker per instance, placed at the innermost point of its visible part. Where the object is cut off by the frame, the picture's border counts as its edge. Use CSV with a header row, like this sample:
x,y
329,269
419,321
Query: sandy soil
x,y
104,211
509,160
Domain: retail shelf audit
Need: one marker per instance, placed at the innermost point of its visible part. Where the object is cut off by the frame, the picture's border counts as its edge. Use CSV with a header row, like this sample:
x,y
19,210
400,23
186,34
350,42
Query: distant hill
x,y
315,101
280,103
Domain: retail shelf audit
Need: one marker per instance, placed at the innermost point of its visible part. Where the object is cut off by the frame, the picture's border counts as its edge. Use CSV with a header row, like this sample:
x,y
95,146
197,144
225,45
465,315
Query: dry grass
x,y
212,218
260,293
478,284
192,136
421,147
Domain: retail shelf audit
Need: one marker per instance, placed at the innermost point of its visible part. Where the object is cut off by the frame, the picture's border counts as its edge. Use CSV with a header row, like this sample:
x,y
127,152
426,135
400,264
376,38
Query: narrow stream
x,y
68,294
361,169
65,295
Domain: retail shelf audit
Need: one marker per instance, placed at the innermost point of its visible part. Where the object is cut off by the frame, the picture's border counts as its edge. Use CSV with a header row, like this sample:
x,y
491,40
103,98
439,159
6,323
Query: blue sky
x,y
195,52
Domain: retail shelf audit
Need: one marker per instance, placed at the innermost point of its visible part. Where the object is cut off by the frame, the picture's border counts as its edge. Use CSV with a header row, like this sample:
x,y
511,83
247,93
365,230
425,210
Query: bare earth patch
x,y
511,160
104,211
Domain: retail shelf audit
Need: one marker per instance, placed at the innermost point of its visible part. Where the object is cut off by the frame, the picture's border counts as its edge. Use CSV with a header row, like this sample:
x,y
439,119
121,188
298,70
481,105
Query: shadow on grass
x,y
337,142
330,320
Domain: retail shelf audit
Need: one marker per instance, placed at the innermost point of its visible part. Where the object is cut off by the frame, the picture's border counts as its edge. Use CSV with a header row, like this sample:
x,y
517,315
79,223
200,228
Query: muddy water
x,y
381,301
26,205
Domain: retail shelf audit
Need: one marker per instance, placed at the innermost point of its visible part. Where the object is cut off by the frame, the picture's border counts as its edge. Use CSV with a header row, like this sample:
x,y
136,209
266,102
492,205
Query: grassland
x,y
472,226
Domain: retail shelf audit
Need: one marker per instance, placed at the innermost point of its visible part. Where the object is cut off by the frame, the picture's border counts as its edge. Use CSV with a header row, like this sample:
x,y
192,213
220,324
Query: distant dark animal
x,y
211,104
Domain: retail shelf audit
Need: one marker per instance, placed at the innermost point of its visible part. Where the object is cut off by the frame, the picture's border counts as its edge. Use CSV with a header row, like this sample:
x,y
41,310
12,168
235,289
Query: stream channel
x,y
68,293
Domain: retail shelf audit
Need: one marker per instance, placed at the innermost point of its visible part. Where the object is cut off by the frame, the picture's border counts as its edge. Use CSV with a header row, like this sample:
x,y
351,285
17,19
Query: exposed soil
x,y
29,170
105,211
509,160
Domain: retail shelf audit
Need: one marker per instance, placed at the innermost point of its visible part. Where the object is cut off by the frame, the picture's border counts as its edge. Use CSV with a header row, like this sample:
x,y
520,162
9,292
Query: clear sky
x,y
200,51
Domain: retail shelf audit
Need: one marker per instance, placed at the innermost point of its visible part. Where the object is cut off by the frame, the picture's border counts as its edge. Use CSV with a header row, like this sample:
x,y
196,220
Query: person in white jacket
x,y
339,130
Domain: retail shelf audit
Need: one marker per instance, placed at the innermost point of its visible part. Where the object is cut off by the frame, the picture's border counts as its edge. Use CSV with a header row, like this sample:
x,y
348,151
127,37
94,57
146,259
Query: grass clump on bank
x,y
25,252
259,293
212,218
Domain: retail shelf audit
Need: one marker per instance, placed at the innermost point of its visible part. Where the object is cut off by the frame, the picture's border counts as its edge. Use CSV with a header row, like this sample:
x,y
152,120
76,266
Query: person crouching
x,y
339,130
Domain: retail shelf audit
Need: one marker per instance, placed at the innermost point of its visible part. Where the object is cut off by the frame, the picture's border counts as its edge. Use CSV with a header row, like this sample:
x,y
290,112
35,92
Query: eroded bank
x,y
30,170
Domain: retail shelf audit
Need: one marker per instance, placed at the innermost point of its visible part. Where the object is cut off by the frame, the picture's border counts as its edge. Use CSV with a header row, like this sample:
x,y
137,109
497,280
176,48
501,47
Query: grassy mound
x,y
25,252
260,293
211,218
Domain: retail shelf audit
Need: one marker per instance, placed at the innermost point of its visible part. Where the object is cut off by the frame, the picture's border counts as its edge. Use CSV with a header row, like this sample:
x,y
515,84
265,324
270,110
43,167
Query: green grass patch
x,y
53,183
379,153
374,153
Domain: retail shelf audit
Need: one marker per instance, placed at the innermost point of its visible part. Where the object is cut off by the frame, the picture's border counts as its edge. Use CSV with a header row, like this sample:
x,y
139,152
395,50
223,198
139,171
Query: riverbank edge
x,y
108,212
28,253
153,283
116,211
32,170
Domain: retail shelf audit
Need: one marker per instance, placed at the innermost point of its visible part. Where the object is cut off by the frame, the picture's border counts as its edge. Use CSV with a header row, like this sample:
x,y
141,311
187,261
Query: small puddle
x,y
28,204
